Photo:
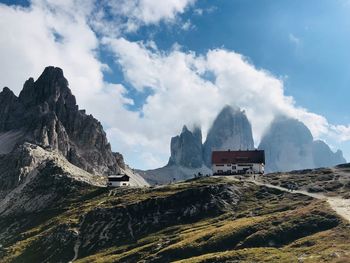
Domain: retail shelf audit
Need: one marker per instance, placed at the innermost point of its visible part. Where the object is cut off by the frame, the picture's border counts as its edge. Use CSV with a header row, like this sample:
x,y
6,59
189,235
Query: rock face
x,y
186,149
230,130
289,145
324,156
46,114
32,178
185,162
147,216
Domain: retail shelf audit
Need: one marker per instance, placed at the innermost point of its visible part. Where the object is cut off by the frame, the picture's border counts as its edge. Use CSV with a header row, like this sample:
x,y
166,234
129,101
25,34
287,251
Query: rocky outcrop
x,y
186,149
230,130
32,179
130,222
46,114
289,145
324,157
189,158
185,162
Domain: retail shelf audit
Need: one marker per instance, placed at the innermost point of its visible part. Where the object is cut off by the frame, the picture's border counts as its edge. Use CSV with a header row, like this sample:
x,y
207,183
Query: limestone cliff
x,y
230,130
46,113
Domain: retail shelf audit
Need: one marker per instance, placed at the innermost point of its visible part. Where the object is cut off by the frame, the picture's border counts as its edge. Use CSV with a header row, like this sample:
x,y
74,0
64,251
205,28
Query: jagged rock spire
x,y
230,130
46,114
186,148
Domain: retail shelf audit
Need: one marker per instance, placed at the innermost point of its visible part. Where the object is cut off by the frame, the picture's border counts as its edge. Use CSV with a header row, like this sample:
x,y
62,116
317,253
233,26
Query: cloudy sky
x,y
145,68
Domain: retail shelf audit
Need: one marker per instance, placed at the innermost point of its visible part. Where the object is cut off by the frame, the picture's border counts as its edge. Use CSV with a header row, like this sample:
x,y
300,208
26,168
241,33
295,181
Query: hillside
x,y
333,181
202,220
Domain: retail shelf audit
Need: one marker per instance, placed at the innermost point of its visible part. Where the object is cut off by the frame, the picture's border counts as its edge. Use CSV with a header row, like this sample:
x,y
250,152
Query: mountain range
x,y
48,147
55,206
288,145
45,114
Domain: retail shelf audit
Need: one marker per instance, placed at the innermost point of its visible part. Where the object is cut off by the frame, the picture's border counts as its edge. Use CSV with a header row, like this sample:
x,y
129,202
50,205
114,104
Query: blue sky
x,y
305,41
303,44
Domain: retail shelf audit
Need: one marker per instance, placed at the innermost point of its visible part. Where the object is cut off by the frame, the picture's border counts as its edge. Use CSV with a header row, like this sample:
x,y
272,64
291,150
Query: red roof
x,y
223,157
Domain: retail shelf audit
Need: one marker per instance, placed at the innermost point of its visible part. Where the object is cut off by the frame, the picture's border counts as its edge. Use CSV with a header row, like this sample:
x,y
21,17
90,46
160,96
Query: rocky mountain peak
x,y
8,105
186,148
7,96
6,92
231,130
46,114
51,88
289,145
324,156
339,153
228,110
184,129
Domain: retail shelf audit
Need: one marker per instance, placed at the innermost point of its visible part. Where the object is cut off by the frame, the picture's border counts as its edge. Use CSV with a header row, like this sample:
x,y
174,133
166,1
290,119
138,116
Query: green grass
x,y
266,225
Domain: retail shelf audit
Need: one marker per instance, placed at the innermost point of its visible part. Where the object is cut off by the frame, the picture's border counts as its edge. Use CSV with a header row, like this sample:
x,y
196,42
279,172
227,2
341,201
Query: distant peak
x,y
231,110
285,118
197,129
6,90
194,130
53,74
47,88
7,93
53,70
184,129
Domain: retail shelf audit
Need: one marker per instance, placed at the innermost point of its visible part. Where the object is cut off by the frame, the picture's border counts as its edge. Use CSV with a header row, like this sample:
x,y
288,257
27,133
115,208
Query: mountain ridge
x,y
189,157
45,113
289,145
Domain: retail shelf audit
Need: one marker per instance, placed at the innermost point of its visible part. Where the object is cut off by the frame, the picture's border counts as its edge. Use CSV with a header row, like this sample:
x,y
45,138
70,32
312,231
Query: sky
x,y
145,68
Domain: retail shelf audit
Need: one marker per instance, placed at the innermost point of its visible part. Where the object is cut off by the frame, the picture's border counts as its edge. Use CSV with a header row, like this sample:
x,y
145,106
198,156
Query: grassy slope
x,y
330,181
266,226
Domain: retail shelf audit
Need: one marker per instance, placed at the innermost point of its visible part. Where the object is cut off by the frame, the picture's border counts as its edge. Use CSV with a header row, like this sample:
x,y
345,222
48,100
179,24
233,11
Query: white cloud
x,y
130,15
294,39
183,95
177,78
187,25
61,34
28,44
200,11
341,133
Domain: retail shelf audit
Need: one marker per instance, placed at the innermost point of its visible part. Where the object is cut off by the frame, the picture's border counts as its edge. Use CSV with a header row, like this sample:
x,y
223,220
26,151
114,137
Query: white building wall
x,y
259,168
237,168
118,184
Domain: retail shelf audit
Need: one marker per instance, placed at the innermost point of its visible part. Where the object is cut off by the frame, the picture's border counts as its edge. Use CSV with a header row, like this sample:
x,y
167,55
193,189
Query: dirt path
x,y
339,205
